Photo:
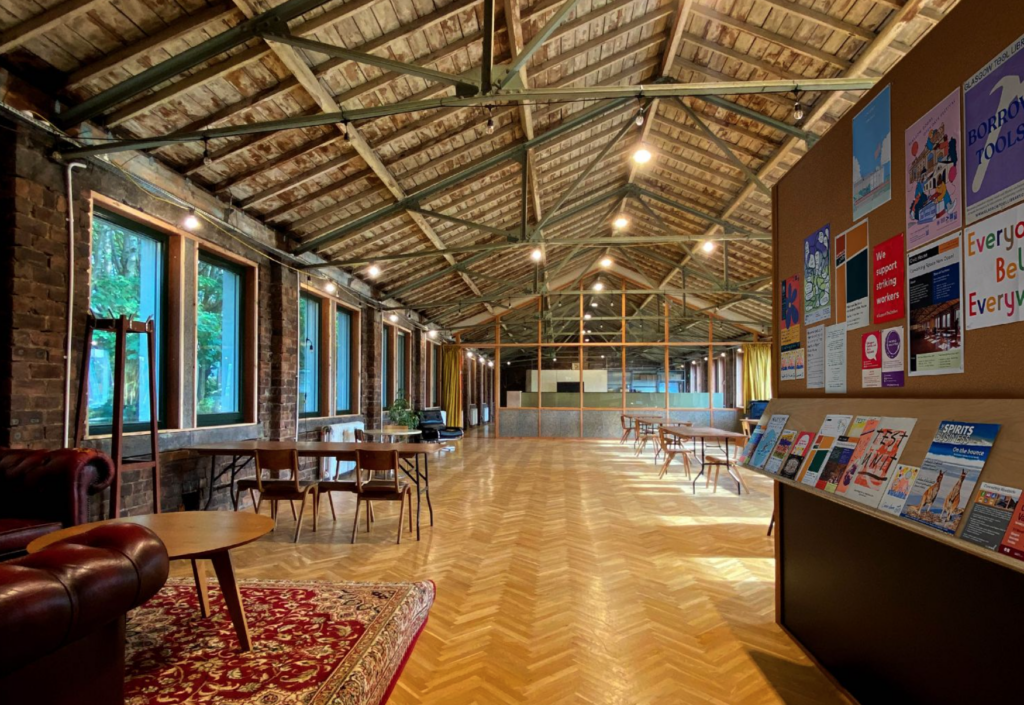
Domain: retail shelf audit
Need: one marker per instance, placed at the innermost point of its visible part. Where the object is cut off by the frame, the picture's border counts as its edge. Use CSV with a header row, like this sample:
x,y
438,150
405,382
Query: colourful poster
x,y
1012,543
933,173
948,474
864,441
856,298
872,155
895,496
791,365
871,360
890,272
789,317
994,270
892,357
842,452
934,319
994,114
873,470
772,431
991,515
818,277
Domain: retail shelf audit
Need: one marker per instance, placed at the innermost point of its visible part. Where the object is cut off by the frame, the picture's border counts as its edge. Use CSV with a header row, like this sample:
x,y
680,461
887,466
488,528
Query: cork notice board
x,y
951,576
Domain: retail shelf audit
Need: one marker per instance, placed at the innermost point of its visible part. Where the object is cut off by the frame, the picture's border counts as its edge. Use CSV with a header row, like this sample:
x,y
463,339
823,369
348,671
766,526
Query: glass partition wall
x,y
571,364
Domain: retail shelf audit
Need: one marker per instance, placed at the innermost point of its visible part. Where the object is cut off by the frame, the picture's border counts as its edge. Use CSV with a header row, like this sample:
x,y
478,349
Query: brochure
x,y
899,489
838,459
780,453
833,427
853,434
1012,543
748,449
871,471
948,474
863,441
797,455
990,515
772,431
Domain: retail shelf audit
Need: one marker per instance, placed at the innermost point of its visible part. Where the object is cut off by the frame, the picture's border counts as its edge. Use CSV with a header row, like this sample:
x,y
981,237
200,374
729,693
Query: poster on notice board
x,y
872,155
818,276
933,173
935,319
994,270
994,114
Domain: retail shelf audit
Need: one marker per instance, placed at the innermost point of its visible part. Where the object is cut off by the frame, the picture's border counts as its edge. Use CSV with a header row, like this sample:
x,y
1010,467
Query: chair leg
x,y
409,495
355,523
369,507
664,466
771,524
401,516
369,511
292,505
298,521
316,502
255,502
273,512
330,501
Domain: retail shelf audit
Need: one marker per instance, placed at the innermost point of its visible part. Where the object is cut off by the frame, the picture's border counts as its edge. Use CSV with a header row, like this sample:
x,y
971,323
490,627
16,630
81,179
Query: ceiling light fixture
x,y
490,121
642,155
330,287
490,363
393,318
536,255
207,159
620,222
469,355
708,246
587,316
798,112
598,286
431,333
373,271
593,304
607,262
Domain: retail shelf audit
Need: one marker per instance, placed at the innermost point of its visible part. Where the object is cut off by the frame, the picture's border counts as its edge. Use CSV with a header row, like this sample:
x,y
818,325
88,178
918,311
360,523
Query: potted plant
x,y
401,413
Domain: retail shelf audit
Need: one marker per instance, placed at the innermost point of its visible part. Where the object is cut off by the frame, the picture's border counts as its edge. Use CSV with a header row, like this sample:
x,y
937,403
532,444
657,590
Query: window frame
x,y
165,324
244,304
322,360
353,360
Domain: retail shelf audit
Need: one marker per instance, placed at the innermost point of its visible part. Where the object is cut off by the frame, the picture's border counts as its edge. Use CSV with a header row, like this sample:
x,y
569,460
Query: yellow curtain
x,y
451,391
757,372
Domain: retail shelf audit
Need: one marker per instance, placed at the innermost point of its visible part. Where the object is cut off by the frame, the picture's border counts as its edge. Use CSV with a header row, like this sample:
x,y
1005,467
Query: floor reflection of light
x,y
707,521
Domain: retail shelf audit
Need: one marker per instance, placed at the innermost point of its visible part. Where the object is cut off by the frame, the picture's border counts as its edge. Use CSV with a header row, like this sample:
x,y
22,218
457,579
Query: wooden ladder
x,y
121,327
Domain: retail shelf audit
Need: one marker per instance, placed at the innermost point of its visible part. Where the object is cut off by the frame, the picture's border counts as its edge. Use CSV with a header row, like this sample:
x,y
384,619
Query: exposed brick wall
x,y
33,266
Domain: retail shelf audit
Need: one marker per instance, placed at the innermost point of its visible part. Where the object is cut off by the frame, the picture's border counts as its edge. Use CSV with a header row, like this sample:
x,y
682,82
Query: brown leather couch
x,y
42,491
62,615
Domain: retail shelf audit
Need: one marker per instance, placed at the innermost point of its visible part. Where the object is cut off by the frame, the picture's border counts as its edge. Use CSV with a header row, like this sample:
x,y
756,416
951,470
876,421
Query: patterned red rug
x,y
313,643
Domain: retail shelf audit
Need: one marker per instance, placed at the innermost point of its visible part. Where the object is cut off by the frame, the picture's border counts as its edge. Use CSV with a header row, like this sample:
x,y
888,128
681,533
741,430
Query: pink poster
x,y
871,360
889,266
933,179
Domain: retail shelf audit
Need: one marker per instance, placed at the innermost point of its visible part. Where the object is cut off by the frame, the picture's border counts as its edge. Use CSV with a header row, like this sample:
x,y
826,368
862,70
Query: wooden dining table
x,y
244,452
705,433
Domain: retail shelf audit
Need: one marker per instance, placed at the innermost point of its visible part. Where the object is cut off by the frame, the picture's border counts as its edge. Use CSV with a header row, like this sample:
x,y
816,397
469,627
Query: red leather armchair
x,y
42,491
62,615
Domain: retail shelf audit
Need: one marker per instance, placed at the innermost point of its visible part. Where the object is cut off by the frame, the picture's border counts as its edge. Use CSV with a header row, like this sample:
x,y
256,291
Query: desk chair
x,y
627,428
276,490
368,464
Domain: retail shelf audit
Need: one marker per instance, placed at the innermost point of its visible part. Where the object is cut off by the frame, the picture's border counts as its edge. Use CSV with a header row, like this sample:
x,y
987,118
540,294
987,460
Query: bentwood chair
x,y
716,463
627,428
368,464
276,490
673,446
645,434
341,479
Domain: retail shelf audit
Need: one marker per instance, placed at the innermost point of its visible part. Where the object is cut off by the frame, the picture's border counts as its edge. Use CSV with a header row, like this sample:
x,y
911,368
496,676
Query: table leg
x,y
232,597
199,573
209,487
426,485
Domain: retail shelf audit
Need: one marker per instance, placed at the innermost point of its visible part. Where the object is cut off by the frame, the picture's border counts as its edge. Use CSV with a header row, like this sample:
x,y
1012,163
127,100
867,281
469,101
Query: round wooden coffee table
x,y
194,536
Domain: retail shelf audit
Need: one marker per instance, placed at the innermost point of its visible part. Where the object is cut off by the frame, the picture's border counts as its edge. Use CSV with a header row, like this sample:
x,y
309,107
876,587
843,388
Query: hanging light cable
x,y
490,121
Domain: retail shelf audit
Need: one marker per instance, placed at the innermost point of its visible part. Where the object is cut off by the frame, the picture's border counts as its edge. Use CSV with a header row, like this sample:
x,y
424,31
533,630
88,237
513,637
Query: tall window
x,y
128,268
401,355
309,356
343,357
435,397
385,396
219,321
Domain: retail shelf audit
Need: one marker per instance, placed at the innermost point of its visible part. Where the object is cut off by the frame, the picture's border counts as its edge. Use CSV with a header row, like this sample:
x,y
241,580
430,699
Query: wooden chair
x,y
627,428
644,434
368,464
673,446
716,463
276,490
337,481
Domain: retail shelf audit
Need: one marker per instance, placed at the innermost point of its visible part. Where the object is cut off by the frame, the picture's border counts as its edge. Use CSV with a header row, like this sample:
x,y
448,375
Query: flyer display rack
x,y
1005,465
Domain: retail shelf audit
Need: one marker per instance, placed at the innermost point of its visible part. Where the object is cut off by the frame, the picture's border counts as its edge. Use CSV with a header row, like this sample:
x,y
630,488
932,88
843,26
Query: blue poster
x,y
872,156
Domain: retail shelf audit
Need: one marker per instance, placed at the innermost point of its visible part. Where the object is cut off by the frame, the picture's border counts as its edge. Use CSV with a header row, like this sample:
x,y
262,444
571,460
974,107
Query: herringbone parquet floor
x,y
567,573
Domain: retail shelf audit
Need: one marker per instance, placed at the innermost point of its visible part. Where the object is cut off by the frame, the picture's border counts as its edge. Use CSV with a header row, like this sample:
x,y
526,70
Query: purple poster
x,y
994,114
933,181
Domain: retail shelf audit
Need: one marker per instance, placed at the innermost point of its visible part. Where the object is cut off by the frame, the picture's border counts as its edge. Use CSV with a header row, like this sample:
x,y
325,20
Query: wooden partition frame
x,y
834,556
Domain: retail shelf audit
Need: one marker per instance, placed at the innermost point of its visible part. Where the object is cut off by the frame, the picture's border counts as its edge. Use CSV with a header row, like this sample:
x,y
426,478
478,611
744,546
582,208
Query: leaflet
x,y
772,431
991,515
948,474
899,489
780,453
834,426
801,446
832,472
871,471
